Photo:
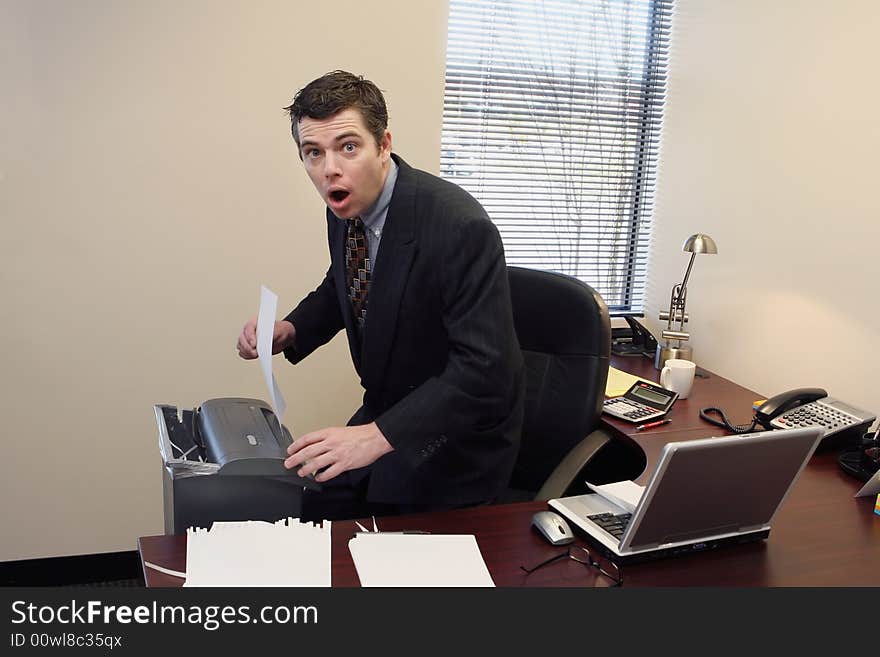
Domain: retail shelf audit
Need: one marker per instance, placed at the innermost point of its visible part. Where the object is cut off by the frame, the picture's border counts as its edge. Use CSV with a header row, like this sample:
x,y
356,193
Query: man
x,y
418,281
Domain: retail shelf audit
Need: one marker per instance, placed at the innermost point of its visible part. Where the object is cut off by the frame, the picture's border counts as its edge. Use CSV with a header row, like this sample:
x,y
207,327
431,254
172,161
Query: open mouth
x,y
338,195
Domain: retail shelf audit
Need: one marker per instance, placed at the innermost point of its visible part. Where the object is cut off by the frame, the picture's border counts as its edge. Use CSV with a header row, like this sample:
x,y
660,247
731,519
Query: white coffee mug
x,y
678,375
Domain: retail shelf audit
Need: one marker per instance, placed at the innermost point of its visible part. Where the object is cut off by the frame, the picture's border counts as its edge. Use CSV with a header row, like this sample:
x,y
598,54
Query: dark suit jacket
x,y
440,363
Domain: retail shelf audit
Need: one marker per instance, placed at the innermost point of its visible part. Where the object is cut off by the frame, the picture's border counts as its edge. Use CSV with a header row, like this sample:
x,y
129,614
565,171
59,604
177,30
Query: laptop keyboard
x,y
613,524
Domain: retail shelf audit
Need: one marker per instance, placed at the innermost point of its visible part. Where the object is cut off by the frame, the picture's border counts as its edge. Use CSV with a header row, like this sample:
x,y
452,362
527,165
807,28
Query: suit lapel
x,y
397,249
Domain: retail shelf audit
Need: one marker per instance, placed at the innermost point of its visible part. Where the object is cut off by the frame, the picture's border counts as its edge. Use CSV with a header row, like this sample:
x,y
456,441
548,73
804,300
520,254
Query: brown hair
x,y
337,91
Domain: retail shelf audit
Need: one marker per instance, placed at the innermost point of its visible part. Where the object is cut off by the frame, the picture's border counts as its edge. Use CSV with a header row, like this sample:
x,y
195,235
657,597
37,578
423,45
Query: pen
x,y
650,425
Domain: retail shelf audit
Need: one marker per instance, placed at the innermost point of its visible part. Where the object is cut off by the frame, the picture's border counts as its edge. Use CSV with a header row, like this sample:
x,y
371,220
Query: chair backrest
x,y
564,332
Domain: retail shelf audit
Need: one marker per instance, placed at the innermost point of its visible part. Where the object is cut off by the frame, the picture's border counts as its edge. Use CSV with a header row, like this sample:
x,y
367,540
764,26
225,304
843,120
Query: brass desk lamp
x,y
674,336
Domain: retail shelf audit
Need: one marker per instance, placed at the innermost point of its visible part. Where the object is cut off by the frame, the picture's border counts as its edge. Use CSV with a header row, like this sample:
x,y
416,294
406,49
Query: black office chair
x,y
564,331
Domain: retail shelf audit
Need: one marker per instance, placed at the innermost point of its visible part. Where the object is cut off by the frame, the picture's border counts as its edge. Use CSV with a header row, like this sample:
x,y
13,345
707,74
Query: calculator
x,y
641,403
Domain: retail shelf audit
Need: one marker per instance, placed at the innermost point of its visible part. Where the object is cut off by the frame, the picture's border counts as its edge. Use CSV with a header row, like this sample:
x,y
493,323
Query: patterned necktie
x,y
357,268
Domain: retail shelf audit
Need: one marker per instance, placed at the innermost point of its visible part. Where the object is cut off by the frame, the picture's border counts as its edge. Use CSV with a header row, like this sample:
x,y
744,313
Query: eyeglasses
x,y
584,556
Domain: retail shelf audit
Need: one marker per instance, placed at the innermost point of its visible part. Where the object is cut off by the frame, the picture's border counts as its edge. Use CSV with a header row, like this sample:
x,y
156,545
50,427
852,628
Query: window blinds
x,y
551,119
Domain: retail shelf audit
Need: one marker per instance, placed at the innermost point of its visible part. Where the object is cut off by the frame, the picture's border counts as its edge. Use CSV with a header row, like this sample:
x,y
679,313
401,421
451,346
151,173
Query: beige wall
x,y
770,146
148,186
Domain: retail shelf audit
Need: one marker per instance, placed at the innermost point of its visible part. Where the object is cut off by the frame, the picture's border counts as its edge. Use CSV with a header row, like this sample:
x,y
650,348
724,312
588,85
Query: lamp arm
x,y
682,301
673,302
678,298
687,274
682,296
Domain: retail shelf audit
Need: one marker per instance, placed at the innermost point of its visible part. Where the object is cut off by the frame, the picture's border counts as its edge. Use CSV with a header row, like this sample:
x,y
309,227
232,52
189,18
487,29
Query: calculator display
x,y
650,395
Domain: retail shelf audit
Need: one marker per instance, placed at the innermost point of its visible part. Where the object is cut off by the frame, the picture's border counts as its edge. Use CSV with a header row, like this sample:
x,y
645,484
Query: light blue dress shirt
x,y
374,218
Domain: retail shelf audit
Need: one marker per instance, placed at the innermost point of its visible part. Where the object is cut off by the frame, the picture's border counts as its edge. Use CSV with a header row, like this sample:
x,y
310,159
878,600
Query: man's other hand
x,y
283,337
336,449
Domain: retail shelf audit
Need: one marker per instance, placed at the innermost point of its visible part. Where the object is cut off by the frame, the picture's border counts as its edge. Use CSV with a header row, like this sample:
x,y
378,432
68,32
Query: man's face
x,y
344,162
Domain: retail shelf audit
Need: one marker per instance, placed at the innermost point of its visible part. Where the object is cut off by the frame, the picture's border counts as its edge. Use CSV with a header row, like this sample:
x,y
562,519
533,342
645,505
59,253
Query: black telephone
x,y
776,406
802,407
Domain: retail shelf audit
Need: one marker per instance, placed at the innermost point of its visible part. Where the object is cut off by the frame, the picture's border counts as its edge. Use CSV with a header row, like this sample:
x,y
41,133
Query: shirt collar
x,y
374,218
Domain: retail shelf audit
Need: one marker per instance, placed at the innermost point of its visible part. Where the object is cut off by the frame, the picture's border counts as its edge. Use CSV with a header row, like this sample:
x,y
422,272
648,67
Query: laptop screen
x,y
719,486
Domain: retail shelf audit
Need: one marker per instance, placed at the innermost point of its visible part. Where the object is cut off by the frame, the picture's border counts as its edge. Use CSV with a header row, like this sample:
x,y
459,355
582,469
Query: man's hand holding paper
x,y
284,335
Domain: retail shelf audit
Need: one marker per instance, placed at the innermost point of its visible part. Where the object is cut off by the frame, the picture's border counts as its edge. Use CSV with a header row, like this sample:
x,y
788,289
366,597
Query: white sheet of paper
x,y
871,487
256,553
625,494
265,330
419,560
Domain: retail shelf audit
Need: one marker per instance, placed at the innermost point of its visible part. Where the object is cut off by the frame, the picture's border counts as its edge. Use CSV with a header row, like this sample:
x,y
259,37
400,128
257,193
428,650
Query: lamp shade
x,y
700,243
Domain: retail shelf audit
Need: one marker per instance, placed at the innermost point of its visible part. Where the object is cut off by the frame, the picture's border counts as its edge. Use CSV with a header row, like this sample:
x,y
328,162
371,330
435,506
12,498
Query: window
x,y
551,119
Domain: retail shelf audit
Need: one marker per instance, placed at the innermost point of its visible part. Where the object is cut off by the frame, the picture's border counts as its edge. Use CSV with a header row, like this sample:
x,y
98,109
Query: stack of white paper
x,y
389,559
254,553
625,494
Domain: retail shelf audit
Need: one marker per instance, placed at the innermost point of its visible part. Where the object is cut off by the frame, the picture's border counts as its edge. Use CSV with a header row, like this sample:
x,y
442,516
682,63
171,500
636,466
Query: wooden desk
x,y
821,536
709,390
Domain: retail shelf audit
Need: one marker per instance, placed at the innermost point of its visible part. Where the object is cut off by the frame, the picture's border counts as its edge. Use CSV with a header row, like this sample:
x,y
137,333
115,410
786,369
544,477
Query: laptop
x,y
703,494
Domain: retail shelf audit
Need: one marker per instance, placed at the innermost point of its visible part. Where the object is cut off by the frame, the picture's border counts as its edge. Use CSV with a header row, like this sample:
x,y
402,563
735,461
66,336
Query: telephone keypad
x,y
815,414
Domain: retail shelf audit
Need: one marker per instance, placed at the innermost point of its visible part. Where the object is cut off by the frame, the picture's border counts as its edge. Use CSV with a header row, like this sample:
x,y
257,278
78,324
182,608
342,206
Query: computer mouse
x,y
553,527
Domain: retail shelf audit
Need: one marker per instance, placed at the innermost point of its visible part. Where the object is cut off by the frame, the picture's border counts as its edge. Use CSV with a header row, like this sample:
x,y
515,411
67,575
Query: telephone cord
x,y
724,422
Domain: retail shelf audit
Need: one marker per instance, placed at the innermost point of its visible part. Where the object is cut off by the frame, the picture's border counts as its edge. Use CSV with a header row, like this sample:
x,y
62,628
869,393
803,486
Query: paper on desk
x,y
625,494
619,382
265,331
871,487
256,553
386,559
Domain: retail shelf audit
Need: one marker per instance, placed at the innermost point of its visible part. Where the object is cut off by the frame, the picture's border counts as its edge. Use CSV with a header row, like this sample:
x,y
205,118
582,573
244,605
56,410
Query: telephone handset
x,y
800,407
776,406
